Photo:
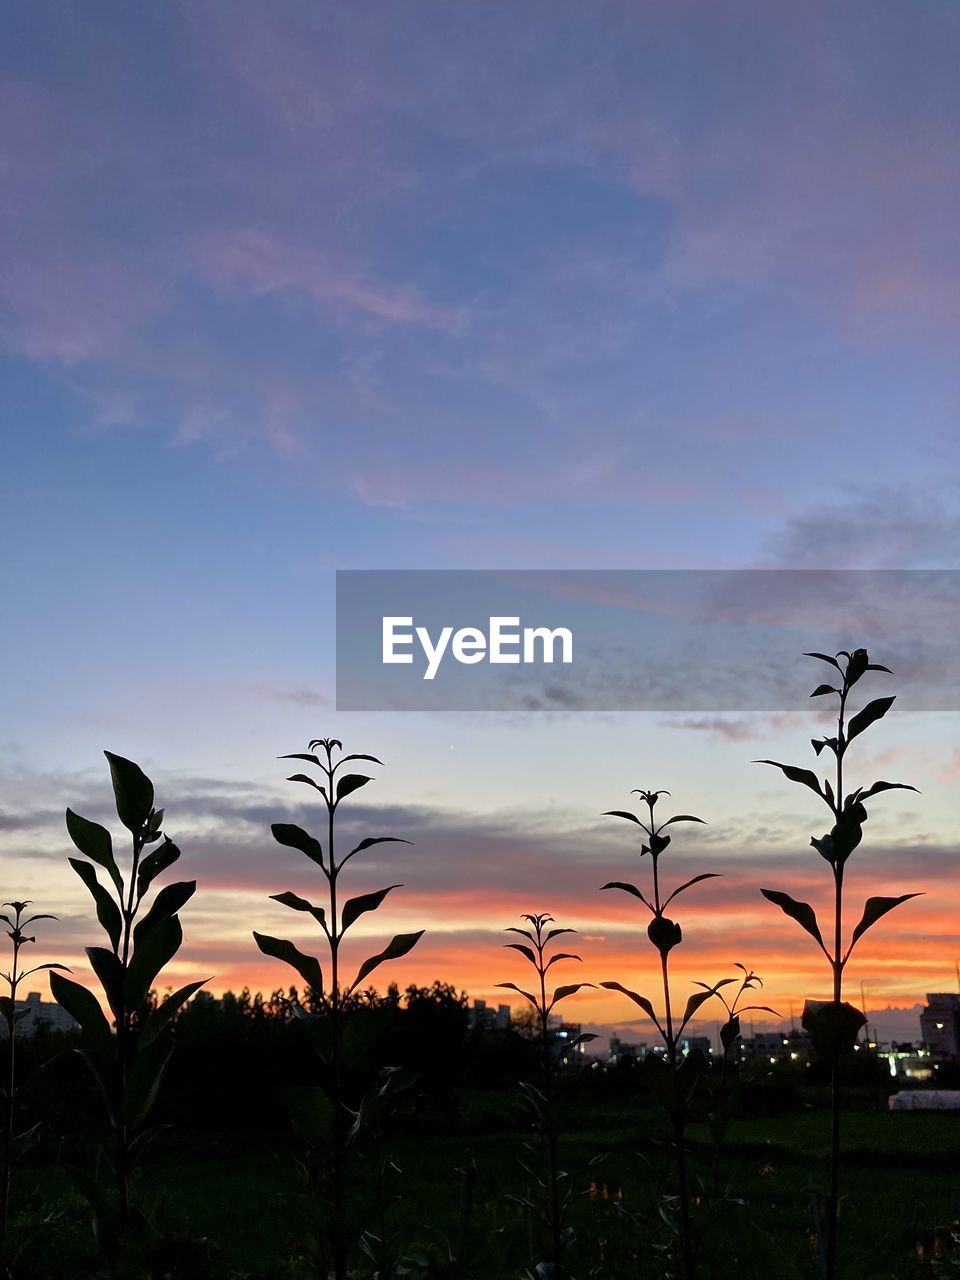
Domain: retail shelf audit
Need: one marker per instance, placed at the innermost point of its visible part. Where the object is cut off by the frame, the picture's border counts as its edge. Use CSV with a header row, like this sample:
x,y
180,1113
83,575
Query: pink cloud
x,y
261,264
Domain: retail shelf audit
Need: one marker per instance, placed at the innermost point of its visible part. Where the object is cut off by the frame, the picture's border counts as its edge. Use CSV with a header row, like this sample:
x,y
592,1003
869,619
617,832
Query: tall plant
x,y
835,1024
8,1012
673,1076
128,1066
322,1114
541,1101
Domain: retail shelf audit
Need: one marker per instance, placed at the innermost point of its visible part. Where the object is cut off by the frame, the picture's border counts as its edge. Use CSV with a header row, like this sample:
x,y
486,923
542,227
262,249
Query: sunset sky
x,y
300,287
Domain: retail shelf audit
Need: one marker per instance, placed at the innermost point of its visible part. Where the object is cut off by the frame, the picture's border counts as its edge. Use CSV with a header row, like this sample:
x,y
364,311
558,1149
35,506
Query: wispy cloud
x,y
251,260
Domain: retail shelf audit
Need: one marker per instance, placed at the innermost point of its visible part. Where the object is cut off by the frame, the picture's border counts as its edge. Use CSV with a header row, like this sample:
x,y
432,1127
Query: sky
x,y
295,288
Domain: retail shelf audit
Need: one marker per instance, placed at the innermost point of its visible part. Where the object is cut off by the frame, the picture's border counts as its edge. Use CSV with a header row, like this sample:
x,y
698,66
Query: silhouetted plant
x,y
673,1076
556,1197
731,1042
128,1067
834,1024
14,1144
340,1037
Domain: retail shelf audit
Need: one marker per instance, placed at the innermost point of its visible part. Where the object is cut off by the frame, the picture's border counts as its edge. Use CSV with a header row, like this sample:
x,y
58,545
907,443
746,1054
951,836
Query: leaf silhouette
x,y
572,988
873,910
627,888
296,838
872,711
397,947
804,776
802,912
824,657
706,875
876,787
280,949
355,907
642,1001
520,991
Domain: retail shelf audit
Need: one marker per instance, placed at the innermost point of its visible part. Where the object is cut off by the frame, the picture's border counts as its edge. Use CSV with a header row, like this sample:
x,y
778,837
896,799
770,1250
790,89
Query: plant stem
x,y
549,1134
123,1043
678,1116
721,1103
833,1201
11,1094
340,1248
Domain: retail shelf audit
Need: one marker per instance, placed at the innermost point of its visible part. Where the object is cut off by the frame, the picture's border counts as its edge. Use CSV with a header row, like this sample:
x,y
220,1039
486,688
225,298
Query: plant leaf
x,y
642,1001
106,965
144,1080
295,837
83,1007
369,842
876,787
873,910
570,989
166,904
153,951
693,1004
308,781
824,657
524,933
133,791
108,913
349,783
523,949
706,875
397,947
296,903
307,966
95,843
682,817
164,856
627,888
874,710
355,907
802,912
165,1012
526,994
48,965
622,813
804,776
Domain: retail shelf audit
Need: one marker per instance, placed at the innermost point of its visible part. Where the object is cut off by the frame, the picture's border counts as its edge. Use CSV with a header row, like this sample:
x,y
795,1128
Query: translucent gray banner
x,y
645,640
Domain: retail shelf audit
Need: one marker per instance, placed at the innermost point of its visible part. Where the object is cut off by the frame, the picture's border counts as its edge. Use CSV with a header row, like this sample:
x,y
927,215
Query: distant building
x,y
34,1014
486,1018
940,1025
563,1036
621,1051
778,1046
696,1042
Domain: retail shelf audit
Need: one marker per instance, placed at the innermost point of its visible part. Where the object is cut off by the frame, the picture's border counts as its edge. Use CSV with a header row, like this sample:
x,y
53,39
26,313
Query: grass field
x,y
236,1202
